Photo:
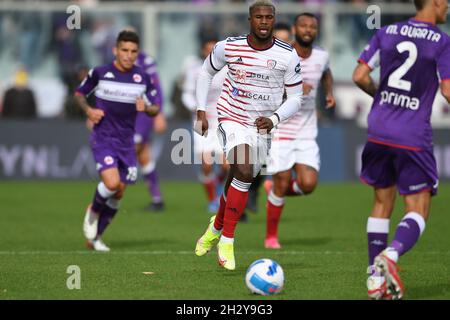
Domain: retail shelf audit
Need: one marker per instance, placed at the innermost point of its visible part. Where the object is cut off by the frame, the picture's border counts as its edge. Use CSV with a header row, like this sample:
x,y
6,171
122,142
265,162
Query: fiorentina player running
x,y
144,126
414,56
260,68
122,90
294,146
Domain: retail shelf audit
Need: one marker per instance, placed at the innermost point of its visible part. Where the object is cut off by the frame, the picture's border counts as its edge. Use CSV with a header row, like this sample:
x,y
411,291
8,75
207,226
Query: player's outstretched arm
x,y
362,78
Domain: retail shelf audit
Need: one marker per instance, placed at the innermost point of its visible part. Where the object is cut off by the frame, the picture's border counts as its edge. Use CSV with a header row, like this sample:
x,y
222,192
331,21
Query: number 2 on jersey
x,y
395,79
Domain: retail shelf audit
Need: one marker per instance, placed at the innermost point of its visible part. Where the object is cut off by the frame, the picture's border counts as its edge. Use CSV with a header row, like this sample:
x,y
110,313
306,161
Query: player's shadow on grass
x,y
306,241
442,291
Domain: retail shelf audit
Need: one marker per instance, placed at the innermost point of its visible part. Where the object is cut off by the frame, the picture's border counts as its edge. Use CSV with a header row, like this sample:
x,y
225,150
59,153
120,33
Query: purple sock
x,y
407,233
153,186
377,236
98,202
377,242
106,216
102,194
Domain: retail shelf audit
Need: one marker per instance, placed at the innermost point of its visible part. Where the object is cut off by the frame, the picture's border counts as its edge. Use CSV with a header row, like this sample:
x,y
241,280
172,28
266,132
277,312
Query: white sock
x,y
148,168
224,239
215,231
391,253
104,191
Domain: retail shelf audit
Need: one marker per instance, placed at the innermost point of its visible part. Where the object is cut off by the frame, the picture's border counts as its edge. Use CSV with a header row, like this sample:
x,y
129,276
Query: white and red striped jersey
x,y
303,125
192,69
255,80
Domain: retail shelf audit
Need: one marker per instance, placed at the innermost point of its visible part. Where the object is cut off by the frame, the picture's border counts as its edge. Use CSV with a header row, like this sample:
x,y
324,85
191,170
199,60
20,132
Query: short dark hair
x,y
282,26
305,14
420,4
127,36
261,3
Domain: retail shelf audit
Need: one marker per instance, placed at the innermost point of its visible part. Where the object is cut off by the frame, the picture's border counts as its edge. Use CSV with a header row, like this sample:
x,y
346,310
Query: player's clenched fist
x,y
201,124
264,125
140,104
95,115
151,110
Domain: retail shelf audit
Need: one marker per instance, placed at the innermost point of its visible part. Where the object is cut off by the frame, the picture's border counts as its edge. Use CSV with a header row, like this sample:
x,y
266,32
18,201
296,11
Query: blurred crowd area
x,y
42,61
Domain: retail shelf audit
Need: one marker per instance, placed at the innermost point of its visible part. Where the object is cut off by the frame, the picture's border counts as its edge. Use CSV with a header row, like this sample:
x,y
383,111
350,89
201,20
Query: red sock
x,y
273,219
236,203
291,191
210,188
221,177
218,222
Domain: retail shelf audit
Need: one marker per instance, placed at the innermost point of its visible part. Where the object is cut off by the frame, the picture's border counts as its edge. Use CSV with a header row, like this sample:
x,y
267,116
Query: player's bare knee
x,y
307,185
244,173
113,185
120,192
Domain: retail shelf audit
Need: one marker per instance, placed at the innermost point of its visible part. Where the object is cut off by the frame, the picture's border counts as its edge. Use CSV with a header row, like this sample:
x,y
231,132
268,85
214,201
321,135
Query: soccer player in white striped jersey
x,y
260,69
294,146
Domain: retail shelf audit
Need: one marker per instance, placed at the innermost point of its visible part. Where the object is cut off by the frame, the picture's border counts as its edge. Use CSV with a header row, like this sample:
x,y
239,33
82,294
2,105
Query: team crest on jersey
x,y
271,64
241,75
137,77
108,160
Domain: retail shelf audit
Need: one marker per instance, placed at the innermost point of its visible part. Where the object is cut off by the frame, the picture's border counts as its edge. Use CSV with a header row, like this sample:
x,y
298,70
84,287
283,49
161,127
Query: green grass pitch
x,y
324,252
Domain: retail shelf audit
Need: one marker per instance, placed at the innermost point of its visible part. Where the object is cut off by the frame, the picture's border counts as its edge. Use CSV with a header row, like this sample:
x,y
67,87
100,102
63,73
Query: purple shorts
x,y
412,171
142,128
124,160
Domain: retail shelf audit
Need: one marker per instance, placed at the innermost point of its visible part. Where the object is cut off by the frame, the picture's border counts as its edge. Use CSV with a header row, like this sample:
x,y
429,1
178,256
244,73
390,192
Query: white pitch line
x,y
271,252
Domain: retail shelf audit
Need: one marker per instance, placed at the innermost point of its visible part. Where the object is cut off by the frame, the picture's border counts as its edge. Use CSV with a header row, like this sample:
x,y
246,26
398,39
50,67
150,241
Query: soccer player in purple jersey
x,y
414,57
122,90
144,126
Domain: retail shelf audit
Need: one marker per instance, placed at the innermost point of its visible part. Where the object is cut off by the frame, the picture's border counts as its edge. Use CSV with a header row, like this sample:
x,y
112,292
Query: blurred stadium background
x,y
51,144
35,42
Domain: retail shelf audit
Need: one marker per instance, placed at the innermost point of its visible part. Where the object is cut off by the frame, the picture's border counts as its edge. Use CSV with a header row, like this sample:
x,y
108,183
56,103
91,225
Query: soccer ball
x,y
265,276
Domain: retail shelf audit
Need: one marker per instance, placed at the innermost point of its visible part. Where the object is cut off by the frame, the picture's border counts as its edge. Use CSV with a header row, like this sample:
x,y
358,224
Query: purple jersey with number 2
x,y
413,57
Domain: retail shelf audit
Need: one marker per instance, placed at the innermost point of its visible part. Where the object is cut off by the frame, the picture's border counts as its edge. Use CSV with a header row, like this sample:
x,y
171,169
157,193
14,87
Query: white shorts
x,y
232,134
285,153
